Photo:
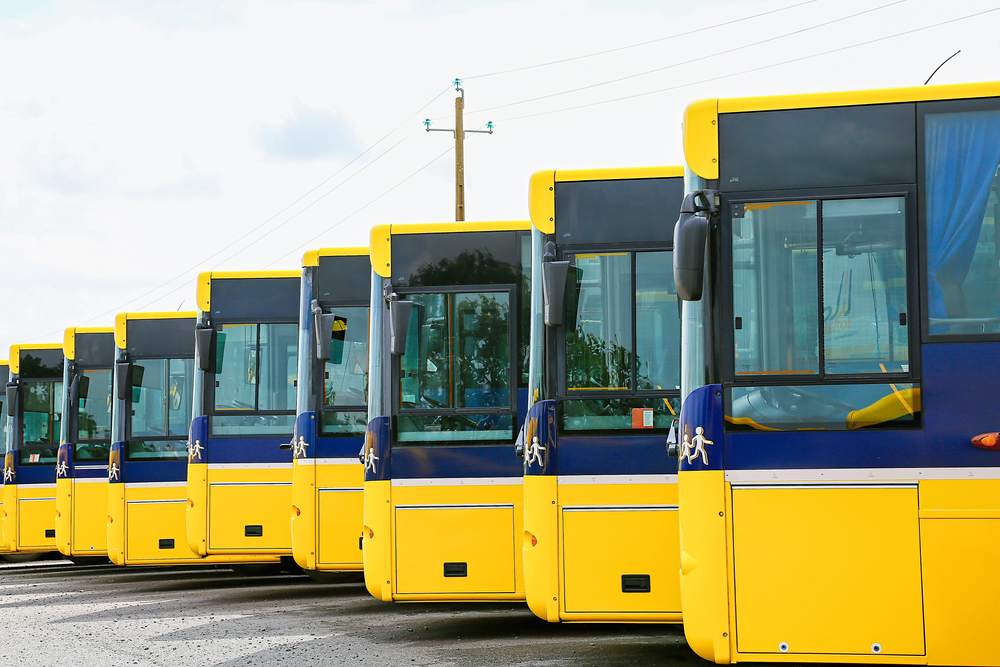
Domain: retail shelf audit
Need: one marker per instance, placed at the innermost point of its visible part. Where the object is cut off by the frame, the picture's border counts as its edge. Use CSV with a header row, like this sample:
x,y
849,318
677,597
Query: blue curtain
x,y
963,151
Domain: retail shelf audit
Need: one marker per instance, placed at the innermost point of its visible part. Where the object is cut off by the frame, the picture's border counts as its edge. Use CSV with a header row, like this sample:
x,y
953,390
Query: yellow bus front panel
x,y
36,518
90,502
376,538
64,515
448,550
808,558
305,513
457,542
155,525
340,500
248,511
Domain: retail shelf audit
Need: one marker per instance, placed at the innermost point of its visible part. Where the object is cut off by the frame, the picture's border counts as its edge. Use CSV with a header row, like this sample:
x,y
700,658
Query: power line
x,y
746,71
232,243
343,220
688,62
633,46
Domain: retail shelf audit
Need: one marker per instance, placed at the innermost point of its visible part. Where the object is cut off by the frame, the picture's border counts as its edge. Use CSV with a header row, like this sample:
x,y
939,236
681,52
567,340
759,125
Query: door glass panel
x,y
864,286
346,373
277,364
457,352
93,430
236,362
161,408
41,420
775,276
657,322
599,326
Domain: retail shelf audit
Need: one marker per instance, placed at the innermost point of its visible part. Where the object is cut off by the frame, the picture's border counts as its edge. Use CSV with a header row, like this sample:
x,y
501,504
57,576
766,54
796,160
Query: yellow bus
x,y
839,456
34,412
331,407
604,381
239,477
85,444
447,393
152,406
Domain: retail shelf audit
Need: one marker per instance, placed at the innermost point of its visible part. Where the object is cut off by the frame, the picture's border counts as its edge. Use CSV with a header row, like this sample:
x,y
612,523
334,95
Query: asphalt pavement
x,y
56,613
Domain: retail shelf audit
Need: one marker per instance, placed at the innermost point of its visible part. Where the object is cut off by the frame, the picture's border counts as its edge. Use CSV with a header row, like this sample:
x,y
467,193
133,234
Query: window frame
x,y
557,361
724,307
923,110
128,417
513,371
318,372
210,381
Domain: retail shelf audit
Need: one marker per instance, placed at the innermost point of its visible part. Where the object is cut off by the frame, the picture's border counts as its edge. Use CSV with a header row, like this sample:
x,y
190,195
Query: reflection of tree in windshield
x,y
470,267
592,364
485,345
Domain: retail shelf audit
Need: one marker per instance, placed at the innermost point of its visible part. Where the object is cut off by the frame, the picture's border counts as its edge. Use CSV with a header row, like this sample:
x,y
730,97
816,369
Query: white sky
x,y
138,140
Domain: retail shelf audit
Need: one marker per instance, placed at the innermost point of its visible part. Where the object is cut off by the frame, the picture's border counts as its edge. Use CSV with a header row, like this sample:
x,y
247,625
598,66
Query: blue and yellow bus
x,y
239,477
85,443
153,388
447,394
839,456
34,412
604,380
332,411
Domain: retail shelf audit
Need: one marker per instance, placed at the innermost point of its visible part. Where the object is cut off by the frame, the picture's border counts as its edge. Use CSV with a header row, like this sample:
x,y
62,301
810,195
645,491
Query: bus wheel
x,y
323,577
21,558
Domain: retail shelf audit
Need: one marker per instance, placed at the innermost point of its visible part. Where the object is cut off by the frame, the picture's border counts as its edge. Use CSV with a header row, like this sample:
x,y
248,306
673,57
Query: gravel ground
x,y
57,613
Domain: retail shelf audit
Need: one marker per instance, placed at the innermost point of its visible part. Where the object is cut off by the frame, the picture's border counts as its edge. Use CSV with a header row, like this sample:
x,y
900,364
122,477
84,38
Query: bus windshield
x,y
456,374
41,417
255,379
345,378
93,426
161,408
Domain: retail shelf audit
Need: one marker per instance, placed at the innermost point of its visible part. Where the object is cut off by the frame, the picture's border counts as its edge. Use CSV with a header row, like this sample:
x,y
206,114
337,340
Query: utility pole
x,y
459,132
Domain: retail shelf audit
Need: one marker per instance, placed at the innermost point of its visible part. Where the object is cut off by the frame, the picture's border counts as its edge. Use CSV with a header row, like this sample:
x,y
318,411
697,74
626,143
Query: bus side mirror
x,y
399,323
121,379
11,399
690,242
203,346
554,292
323,329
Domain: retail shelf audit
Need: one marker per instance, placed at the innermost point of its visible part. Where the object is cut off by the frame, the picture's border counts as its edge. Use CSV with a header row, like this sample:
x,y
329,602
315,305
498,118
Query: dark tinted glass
x,y
41,363
343,279
161,338
816,148
95,349
620,211
256,298
461,258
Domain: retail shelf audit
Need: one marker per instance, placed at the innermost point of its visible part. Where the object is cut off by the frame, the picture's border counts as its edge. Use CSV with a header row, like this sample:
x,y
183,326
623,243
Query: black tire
x,y
321,577
88,560
21,558
255,569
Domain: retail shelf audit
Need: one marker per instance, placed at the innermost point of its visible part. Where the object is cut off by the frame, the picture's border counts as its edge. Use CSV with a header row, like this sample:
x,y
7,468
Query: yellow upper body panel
x,y
381,236
205,282
69,338
15,353
121,321
311,258
541,187
701,130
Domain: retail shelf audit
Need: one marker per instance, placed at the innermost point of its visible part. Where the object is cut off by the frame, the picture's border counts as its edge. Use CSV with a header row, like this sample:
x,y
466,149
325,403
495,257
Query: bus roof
x,y
701,129
69,338
311,258
121,320
205,281
15,353
541,203
381,236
